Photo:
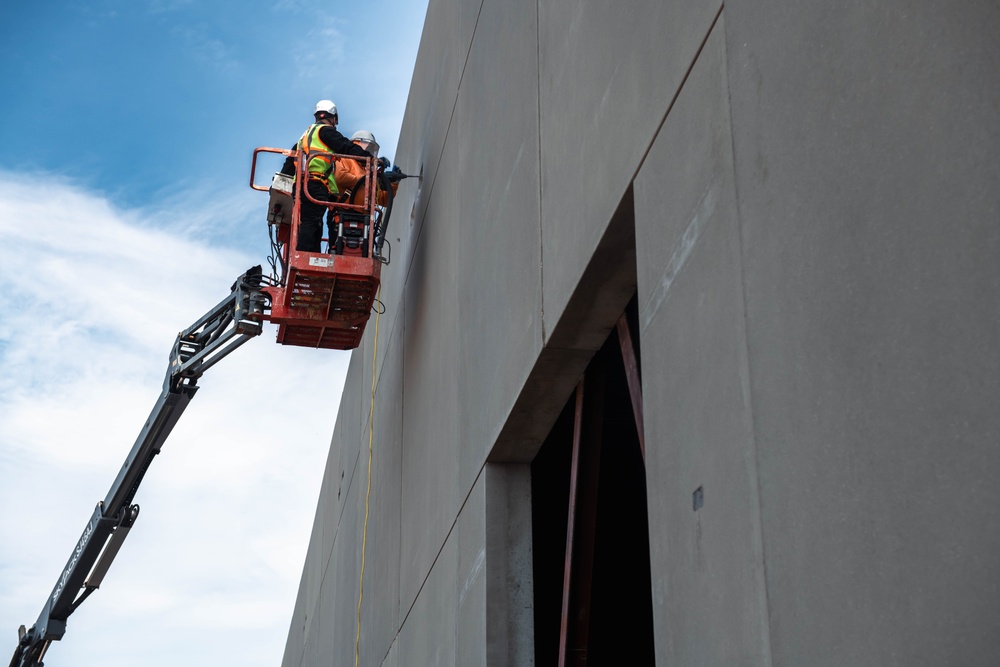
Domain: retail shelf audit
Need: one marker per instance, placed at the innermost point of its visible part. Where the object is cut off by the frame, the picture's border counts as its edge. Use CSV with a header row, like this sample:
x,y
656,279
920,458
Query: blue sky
x,y
140,99
126,130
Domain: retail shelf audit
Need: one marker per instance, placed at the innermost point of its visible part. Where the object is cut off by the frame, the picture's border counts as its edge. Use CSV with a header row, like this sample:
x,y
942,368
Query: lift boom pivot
x,y
234,321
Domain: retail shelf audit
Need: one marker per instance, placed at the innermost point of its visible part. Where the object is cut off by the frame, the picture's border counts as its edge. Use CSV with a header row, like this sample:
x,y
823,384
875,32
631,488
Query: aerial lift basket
x,y
320,299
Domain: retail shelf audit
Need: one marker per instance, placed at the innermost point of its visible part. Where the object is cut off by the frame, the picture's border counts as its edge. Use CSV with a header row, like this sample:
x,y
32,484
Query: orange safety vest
x,y
348,172
380,198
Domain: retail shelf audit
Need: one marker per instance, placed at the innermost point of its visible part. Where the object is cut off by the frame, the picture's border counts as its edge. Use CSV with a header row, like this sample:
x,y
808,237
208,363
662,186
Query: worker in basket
x,y
350,173
351,178
321,184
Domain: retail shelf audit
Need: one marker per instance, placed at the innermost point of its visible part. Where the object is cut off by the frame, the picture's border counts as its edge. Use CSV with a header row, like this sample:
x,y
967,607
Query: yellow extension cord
x,y
368,493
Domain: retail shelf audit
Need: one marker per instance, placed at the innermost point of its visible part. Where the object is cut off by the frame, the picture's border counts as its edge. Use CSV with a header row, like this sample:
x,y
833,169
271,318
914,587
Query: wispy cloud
x,y
162,6
197,41
287,5
93,296
320,56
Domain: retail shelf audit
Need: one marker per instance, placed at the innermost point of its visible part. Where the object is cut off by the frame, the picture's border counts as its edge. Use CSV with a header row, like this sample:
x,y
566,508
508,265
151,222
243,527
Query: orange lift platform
x,y
322,299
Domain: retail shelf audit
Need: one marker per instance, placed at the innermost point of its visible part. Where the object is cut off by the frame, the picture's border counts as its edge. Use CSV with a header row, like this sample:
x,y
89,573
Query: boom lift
x,y
316,299
234,321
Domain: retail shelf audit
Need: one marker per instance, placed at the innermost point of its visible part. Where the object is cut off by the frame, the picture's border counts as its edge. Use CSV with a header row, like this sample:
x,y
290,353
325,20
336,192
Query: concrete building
x,y
792,209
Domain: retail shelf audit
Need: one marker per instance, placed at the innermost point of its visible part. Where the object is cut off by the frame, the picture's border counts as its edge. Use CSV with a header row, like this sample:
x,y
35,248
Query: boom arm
x,y
234,321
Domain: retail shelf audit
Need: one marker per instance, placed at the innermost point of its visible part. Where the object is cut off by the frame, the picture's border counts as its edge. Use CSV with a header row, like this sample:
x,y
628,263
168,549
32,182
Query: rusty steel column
x,y
581,521
634,383
570,524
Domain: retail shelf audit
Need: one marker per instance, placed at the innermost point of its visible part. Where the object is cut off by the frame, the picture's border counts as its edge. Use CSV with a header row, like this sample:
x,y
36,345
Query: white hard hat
x,y
327,106
366,140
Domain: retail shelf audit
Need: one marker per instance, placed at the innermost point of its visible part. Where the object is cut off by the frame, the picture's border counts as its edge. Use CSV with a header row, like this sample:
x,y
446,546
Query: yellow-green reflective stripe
x,y
321,165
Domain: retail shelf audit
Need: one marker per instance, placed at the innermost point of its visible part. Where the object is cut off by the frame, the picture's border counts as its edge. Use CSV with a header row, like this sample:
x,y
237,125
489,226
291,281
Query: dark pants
x,y
311,216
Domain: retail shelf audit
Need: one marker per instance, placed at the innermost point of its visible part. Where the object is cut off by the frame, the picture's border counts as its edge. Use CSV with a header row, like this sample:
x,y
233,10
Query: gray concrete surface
x,y
471,627
500,293
710,596
430,495
607,73
506,550
869,201
380,616
429,635
806,199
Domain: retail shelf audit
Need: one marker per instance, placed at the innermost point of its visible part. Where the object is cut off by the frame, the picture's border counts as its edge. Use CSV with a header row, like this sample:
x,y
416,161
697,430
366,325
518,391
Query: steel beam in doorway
x,y
632,375
581,522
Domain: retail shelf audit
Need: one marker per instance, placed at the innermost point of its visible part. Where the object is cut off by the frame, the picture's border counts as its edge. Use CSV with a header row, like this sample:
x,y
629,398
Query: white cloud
x,y
161,6
290,5
204,48
320,56
92,297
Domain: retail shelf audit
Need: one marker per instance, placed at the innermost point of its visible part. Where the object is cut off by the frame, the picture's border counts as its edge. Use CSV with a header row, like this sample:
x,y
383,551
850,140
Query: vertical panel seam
x,y
538,109
402,617
759,527
444,142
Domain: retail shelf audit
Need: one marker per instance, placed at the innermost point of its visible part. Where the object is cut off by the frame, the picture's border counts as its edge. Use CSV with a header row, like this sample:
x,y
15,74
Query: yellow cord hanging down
x,y
368,493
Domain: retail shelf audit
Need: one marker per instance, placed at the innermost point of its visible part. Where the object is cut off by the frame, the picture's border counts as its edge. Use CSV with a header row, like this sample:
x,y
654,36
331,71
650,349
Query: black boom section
x,y
232,322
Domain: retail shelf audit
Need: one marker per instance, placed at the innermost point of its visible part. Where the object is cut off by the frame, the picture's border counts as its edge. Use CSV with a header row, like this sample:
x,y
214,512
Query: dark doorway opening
x,y
606,618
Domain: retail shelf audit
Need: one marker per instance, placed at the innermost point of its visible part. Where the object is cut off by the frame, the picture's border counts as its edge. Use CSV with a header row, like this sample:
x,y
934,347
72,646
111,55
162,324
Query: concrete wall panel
x,y
470,579
707,568
441,58
499,280
607,74
815,244
430,496
437,73
380,610
295,643
865,140
313,646
324,531
392,659
427,636
342,465
339,602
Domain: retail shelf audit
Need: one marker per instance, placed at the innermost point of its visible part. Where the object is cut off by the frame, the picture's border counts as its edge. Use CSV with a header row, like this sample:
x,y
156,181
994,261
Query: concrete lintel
x,y
607,285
